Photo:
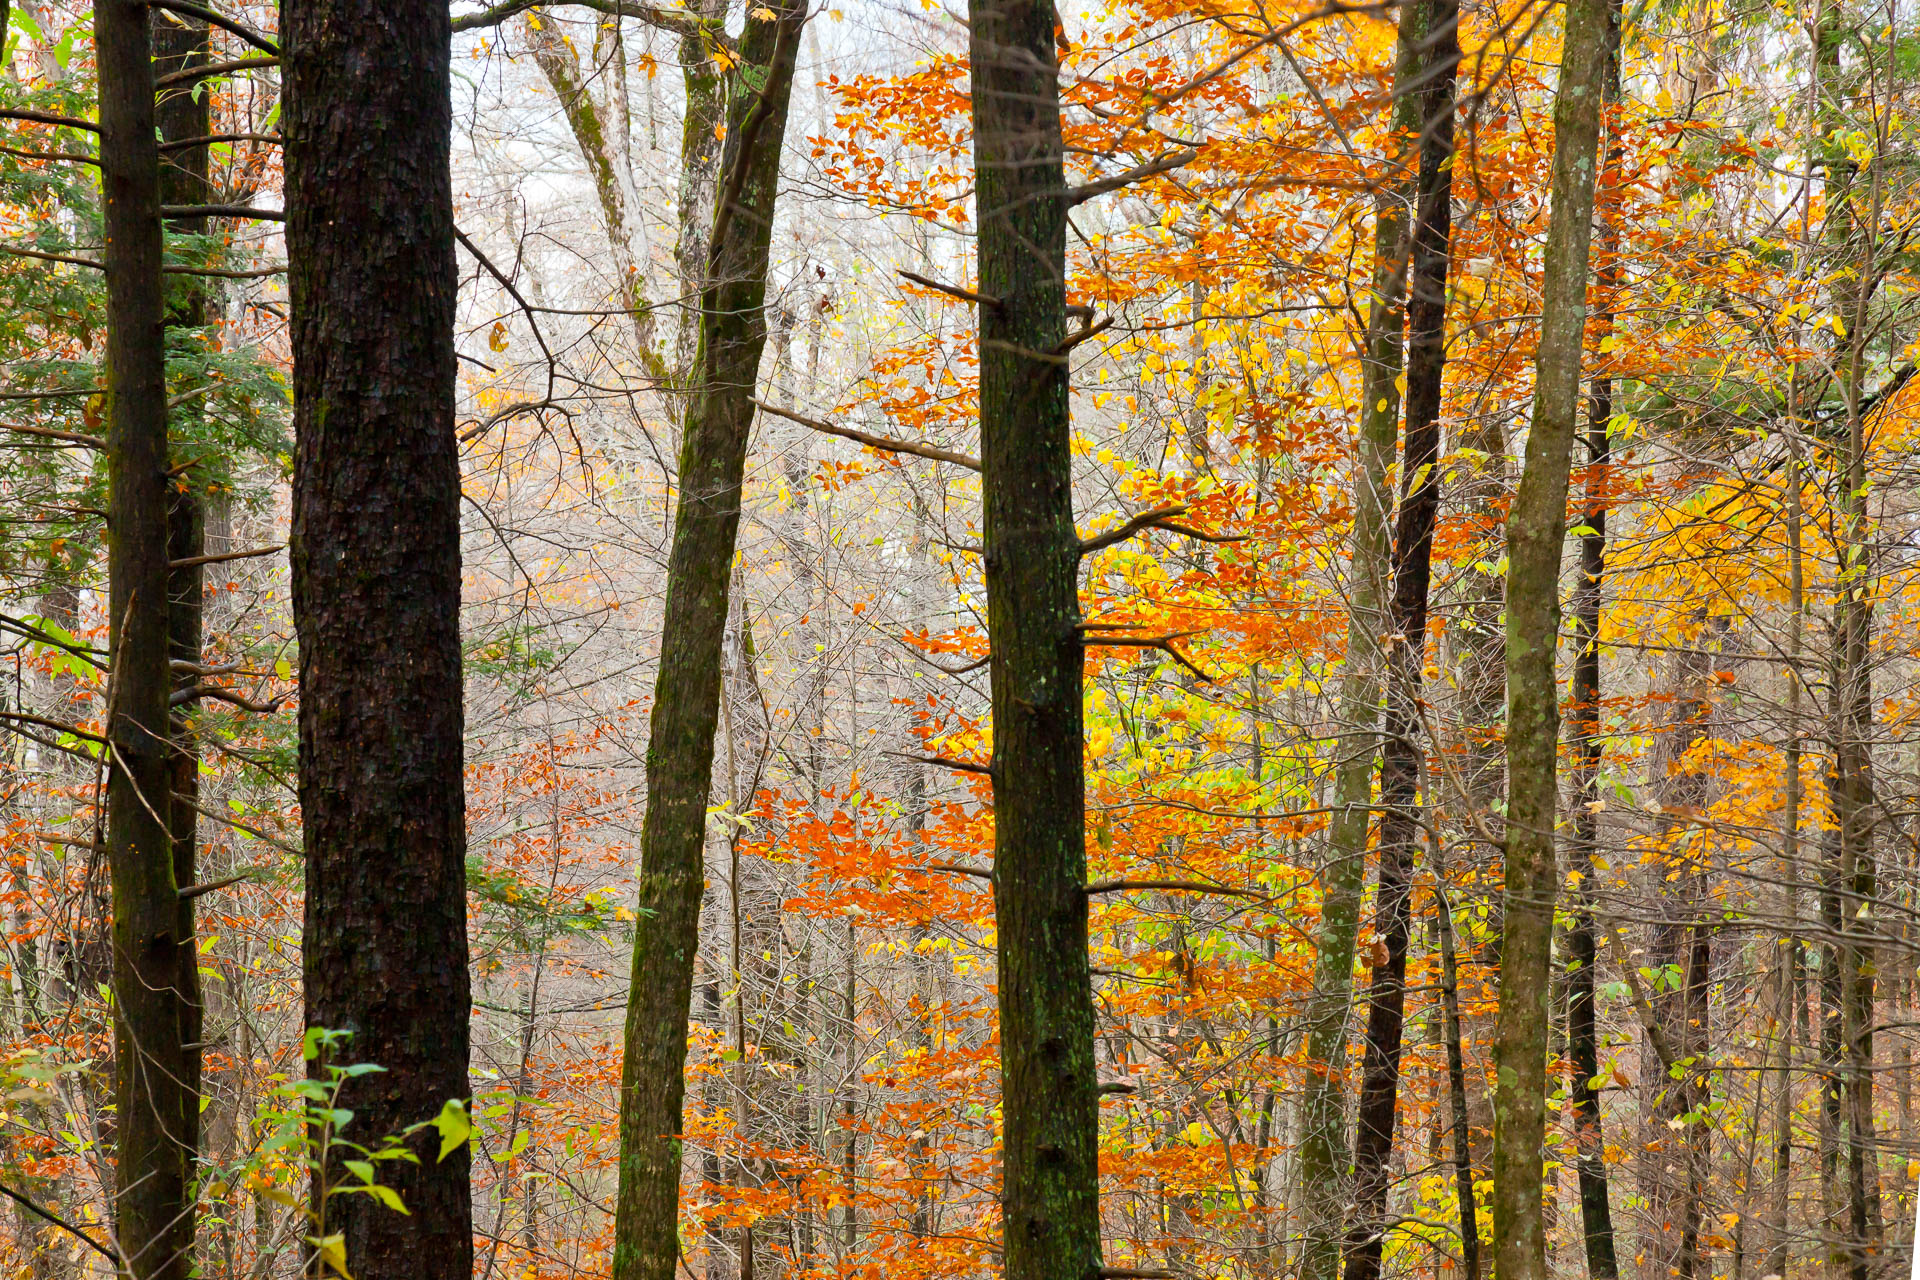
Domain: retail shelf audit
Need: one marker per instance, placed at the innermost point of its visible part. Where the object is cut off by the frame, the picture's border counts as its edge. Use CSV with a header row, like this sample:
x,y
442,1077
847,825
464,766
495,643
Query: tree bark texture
x,y
1583,1042
180,43
686,705
1323,1148
376,595
1050,1168
1536,532
153,1219
1402,750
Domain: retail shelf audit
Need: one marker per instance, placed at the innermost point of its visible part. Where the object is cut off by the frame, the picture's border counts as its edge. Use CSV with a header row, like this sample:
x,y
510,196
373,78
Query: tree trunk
x,y
1583,1041
376,595
602,144
700,146
1457,1080
686,706
1536,531
1323,1156
183,113
1050,1170
152,1207
1402,748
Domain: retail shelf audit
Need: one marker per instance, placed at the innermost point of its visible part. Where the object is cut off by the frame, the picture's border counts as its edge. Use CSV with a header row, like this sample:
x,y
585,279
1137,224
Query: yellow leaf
x,y
332,1250
498,338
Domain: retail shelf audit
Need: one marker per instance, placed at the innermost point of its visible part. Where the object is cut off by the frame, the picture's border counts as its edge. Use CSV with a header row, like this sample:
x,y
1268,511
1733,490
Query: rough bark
x,y
1536,533
153,1221
1050,1170
1402,752
376,594
686,704
1583,1042
179,43
1323,1156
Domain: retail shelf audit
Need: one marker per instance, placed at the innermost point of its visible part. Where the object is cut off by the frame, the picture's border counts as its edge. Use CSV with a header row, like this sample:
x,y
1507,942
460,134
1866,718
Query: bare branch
x,y
952,290
678,21
182,144
224,556
1145,520
228,25
69,259
59,726
191,891
61,1223
1139,173
221,694
1162,643
208,70
965,766
1176,886
222,274
221,211
978,873
1093,329
77,157
883,443
48,433
48,117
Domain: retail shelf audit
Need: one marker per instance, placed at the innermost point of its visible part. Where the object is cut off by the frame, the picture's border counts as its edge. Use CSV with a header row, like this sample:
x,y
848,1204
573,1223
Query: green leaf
x,y
453,1125
388,1197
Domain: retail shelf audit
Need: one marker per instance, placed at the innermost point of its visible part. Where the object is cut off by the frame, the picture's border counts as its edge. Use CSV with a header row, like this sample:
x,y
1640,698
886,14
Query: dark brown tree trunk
x,y
153,1157
1536,535
1468,1209
1050,1173
1323,1151
686,705
1583,1042
1677,946
1403,751
183,112
376,595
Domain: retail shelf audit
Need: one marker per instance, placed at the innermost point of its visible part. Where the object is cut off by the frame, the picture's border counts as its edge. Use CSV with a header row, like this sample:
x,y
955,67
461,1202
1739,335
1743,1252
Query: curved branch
x,y
883,443
228,25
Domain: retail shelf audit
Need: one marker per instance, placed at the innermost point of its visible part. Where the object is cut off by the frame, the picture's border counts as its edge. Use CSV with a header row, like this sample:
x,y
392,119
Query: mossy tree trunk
x,y
1050,1170
1536,534
686,703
